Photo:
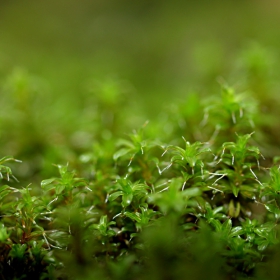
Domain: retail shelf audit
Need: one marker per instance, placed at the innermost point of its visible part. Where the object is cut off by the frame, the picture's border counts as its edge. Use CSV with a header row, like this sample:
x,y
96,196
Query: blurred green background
x,y
76,72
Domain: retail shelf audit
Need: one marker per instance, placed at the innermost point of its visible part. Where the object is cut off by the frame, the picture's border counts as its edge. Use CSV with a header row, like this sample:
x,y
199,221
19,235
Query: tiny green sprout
x,y
172,198
239,151
18,251
230,113
235,168
212,216
5,190
231,102
65,186
271,192
190,156
5,169
104,227
274,184
129,191
142,218
132,147
261,235
4,235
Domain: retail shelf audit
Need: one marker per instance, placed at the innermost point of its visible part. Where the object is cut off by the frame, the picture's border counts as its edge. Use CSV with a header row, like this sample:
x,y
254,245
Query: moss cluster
x,y
193,192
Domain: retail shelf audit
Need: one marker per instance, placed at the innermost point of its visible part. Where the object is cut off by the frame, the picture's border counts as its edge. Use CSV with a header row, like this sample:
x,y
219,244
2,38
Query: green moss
x,y
187,195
